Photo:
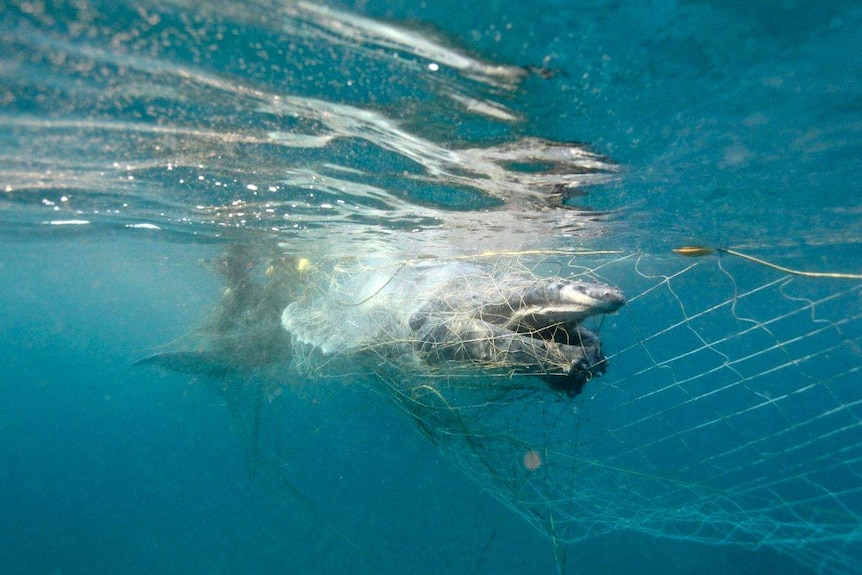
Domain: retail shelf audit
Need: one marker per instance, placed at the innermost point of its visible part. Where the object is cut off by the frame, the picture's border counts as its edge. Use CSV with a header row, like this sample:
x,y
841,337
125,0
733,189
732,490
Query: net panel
x,y
729,414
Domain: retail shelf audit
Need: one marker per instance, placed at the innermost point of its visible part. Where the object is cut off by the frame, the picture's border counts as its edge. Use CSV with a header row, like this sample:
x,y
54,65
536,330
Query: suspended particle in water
x,y
532,460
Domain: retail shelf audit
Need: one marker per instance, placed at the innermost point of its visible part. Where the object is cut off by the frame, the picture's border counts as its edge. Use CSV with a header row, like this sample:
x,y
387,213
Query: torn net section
x,y
729,414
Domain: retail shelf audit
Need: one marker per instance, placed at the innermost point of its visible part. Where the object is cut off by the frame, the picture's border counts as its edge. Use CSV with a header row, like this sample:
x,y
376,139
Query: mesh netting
x,y
729,413
433,318
726,410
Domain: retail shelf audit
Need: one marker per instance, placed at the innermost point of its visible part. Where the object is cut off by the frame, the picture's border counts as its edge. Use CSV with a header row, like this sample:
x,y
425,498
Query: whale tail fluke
x,y
193,362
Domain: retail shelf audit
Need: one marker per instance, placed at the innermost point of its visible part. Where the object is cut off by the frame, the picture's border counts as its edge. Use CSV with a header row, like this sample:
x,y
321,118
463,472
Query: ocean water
x,y
139,140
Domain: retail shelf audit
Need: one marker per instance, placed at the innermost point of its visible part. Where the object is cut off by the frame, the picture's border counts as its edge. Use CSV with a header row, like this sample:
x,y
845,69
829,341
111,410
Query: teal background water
x,y
734,124
109,468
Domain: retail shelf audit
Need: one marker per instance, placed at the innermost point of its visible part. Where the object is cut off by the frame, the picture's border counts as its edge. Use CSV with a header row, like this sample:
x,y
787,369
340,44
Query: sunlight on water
x,y
157,140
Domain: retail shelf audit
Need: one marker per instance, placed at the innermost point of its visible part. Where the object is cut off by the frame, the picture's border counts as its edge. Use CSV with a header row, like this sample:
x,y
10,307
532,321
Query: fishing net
x,y
729,412
432,318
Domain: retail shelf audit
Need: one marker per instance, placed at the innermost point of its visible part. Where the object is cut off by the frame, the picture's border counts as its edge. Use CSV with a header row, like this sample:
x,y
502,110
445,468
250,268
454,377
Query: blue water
x,y
111,469
731,124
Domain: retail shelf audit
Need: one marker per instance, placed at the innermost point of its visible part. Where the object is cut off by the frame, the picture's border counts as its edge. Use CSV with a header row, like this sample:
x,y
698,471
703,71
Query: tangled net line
x,y
730,412
432,318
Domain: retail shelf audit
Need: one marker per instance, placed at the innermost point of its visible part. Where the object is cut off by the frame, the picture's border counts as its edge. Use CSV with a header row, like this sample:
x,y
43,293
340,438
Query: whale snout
x,y
612,298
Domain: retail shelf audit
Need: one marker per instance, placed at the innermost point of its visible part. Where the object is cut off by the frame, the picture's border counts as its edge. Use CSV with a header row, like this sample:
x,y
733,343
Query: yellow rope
x,y
699,251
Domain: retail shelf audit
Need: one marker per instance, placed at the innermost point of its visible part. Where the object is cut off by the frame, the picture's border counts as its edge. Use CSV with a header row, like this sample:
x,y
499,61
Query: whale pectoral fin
x,y
194,362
